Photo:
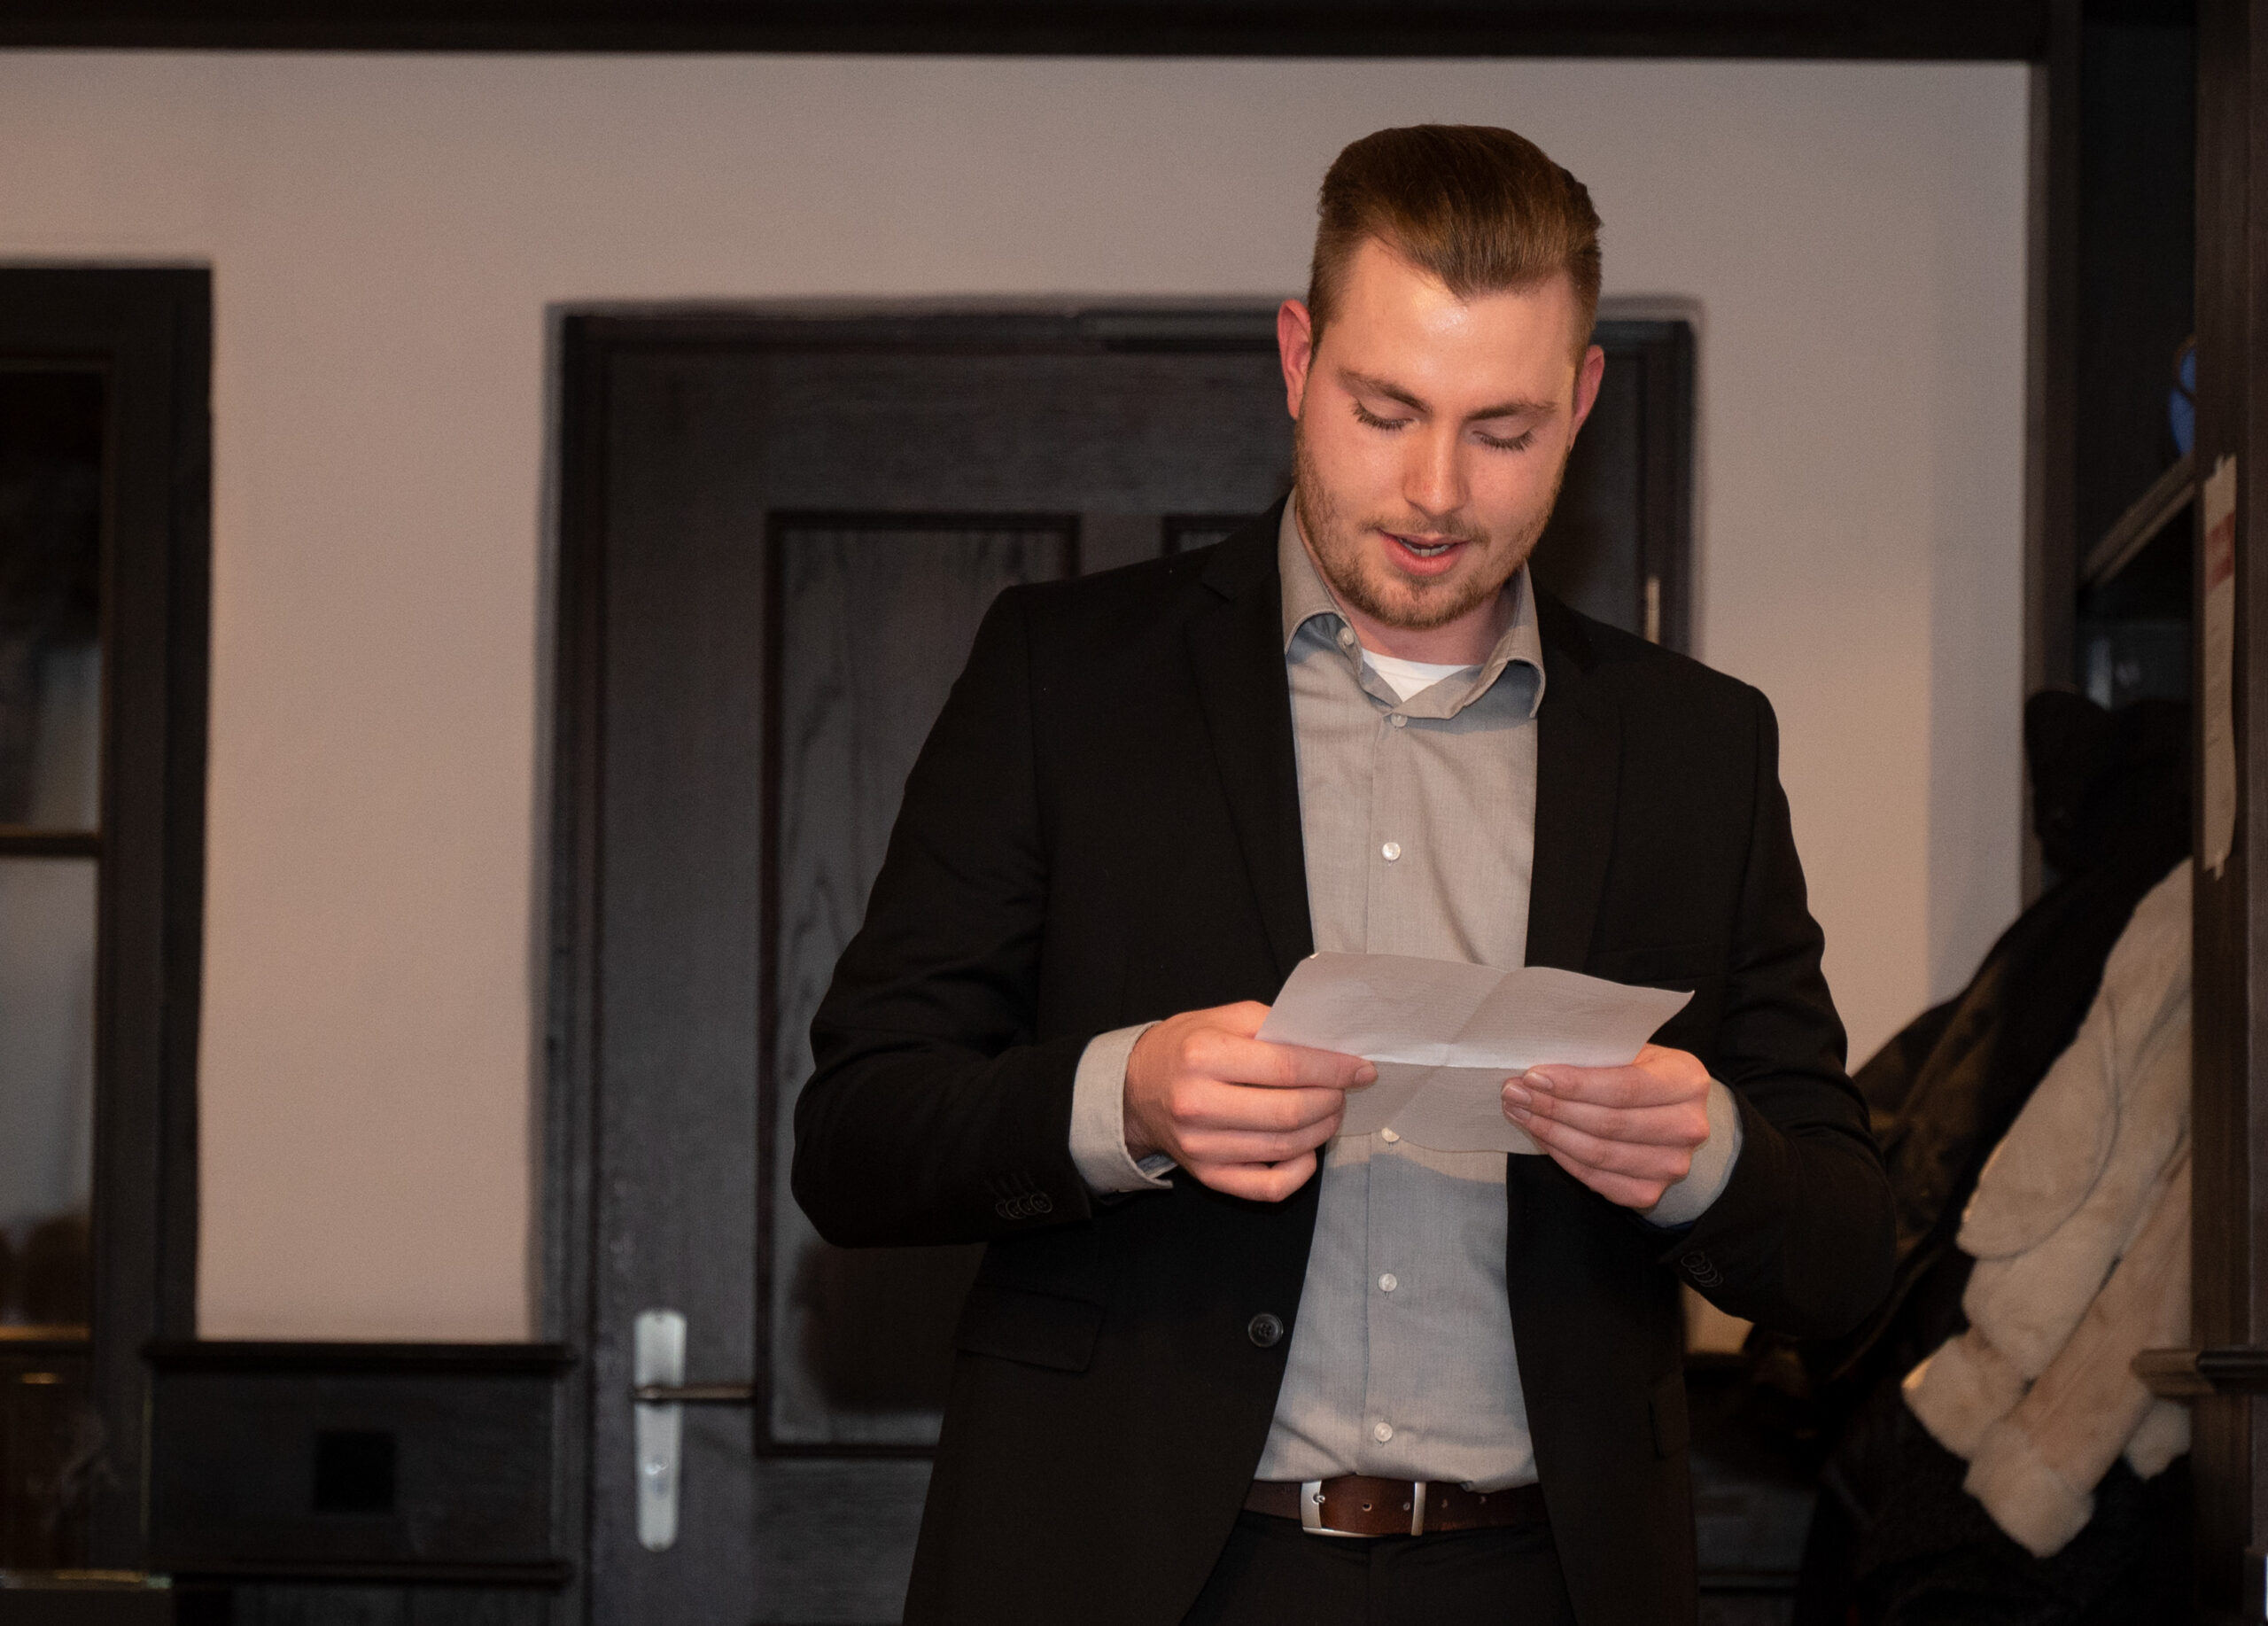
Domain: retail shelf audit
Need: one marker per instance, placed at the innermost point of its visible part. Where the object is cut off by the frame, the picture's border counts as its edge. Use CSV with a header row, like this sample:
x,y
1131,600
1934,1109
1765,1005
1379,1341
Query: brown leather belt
x,y
1357,1504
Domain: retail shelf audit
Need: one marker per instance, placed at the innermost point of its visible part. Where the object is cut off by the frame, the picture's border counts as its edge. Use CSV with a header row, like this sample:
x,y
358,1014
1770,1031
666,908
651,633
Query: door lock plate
x,y
658,1361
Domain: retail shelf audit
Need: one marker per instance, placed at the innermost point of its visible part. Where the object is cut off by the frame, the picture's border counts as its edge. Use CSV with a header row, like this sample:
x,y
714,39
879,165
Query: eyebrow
x,y
1371,386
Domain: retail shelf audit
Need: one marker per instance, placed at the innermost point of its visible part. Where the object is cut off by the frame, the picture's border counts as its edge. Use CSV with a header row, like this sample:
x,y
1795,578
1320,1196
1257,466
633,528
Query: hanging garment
x,y
1894,1539
2111,810
2079,1228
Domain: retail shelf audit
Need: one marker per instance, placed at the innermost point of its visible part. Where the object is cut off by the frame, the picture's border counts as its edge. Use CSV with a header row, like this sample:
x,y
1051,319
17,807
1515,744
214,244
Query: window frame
x,y
150,330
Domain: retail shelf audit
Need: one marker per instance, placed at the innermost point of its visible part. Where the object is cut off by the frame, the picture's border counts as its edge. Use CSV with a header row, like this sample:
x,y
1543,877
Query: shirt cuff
x,y
1098,1119
1712,1165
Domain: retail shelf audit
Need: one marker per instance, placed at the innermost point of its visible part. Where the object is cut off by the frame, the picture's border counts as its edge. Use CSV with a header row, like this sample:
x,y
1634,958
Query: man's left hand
x,y
1626,1132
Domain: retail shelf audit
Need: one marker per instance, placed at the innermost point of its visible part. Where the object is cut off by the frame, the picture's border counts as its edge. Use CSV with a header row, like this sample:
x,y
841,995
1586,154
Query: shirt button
x,y
1400,721
1392,850
1265,1330
1388,1136
1388,1282
1382,1433
1347,636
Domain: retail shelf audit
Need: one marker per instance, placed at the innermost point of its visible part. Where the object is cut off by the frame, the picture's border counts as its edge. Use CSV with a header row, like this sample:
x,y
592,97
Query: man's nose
x,y
1432,480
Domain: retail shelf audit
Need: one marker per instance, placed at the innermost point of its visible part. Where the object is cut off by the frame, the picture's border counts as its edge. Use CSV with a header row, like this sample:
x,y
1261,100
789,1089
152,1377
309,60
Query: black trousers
x,y
1273,1571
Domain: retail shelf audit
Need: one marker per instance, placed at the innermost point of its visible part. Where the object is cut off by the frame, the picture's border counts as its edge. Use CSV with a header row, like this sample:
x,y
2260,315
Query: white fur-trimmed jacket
x,y
2080,1230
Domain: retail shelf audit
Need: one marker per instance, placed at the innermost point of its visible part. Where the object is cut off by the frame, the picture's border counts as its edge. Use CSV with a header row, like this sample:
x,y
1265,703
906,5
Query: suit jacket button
x,y
1265,1330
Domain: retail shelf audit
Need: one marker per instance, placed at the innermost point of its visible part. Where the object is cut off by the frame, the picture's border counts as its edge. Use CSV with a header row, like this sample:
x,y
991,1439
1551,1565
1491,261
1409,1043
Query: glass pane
x,y
47,1088
51,587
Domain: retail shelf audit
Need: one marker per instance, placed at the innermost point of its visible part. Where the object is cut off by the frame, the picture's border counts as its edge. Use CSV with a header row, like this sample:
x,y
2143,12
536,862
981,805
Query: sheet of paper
x,y
2220,663
1445,1036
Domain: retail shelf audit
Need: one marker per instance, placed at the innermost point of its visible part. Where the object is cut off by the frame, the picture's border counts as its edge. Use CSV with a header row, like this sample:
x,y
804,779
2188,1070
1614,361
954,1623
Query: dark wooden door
x,y
779,535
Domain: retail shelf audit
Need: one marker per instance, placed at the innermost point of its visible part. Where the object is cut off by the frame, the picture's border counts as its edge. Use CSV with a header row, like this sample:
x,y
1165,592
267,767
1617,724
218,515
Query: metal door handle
x,y
694,1394
658,1391
657,1362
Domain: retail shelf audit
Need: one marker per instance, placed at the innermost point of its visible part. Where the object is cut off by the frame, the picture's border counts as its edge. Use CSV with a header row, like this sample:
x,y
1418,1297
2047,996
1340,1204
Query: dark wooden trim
x,y
2051,381
901,327
2230,1001
238,1435
554,1575
15,843
1065,527
246,1355
1922,29
773,769
151,331
577,606
1665,355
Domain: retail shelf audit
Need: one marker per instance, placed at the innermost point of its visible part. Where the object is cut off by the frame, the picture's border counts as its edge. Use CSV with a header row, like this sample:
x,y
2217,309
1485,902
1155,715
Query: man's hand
x,y
1626,1132
1242,1116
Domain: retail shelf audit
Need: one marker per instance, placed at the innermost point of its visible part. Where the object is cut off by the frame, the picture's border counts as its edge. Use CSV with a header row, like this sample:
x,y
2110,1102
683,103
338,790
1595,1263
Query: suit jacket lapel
x,y
1578,765
1236,645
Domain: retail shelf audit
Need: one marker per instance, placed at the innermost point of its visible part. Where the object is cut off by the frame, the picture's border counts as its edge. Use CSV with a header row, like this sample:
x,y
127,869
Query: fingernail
x,y
1537,1080
1366,1074
1515,1096
1520,1114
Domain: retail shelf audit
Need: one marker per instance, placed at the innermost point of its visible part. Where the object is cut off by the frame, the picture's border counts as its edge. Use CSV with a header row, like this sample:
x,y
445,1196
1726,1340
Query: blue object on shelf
x,y
2181,403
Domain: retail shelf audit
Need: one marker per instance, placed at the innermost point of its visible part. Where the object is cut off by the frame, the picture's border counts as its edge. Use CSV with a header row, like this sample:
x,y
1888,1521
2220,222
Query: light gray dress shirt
x,y
1419,820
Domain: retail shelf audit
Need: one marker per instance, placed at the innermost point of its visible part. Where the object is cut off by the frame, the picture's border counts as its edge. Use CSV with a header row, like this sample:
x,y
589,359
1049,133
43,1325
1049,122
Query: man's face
x,y
1432,433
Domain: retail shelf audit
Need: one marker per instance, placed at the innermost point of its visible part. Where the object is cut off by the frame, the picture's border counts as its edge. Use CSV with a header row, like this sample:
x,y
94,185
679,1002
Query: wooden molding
x,y
427,1464
1917,30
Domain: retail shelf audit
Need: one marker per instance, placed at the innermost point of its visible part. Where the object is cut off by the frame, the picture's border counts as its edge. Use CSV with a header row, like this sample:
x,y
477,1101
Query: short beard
x,y
1337,549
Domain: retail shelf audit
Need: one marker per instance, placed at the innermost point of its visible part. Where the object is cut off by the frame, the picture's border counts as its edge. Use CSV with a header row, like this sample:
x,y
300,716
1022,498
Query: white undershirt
x,y
1406,678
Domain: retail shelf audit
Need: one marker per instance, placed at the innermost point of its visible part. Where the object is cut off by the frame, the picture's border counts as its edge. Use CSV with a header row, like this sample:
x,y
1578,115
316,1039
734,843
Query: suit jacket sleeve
x,y
1800,1238
933,1115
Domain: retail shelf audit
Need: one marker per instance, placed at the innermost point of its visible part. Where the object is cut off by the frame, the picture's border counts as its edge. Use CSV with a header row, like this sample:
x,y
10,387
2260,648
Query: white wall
x,y
386,234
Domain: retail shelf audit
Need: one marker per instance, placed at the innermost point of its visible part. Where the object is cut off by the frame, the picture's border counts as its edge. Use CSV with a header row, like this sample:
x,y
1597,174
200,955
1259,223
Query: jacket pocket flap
x,y
1673,1432
1040,1329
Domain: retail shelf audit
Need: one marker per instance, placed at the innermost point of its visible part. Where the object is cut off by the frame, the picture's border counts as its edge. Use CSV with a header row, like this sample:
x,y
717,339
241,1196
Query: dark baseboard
x,y
376,1464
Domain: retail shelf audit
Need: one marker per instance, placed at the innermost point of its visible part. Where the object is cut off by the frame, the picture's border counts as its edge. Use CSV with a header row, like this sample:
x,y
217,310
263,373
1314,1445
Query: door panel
x,y
874,614
780,534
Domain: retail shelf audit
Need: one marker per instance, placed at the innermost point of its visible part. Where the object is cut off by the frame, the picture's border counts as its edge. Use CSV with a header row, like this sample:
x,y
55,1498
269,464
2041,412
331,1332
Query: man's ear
x,y
1295,347
1588,377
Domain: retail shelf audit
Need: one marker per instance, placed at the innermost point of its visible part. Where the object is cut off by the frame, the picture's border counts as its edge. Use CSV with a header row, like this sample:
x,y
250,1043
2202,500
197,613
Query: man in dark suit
x,y
1222,1363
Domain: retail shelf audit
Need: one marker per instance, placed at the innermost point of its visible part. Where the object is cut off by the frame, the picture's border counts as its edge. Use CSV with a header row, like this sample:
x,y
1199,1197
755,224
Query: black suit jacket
x,y
1103,827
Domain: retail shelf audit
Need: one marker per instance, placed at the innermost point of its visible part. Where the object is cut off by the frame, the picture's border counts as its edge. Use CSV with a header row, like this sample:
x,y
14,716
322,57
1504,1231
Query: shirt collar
x,y
1307,596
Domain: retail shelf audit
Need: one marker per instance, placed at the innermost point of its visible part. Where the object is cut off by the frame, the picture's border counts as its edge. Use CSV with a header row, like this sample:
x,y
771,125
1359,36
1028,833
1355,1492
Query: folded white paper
x,y
1445,1036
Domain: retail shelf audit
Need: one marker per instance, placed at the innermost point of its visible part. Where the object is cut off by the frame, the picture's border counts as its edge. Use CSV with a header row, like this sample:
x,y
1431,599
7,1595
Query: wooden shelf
x,y
2139,526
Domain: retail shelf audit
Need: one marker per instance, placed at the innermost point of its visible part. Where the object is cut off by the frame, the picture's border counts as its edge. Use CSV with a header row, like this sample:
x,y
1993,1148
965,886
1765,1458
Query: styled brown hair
x,y
1479,208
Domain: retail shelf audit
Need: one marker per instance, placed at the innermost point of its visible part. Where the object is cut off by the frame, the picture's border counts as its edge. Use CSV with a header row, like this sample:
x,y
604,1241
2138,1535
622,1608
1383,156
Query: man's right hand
x,y
1243,1116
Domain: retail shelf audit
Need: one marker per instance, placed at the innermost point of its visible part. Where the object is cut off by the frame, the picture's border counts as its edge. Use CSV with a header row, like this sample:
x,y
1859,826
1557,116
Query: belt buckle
x,y
1311,1510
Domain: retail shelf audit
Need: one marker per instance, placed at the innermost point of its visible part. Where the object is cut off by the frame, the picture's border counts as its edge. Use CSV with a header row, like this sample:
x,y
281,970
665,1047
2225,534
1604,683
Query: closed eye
x,y
1513,443
1364,415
